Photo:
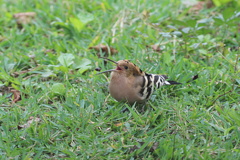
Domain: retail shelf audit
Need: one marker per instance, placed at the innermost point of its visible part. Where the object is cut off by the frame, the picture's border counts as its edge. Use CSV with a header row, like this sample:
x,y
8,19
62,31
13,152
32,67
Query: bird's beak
x,y
107,71
110,69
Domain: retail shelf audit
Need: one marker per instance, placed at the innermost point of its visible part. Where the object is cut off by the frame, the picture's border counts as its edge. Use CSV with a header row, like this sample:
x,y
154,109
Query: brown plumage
x,y
130,84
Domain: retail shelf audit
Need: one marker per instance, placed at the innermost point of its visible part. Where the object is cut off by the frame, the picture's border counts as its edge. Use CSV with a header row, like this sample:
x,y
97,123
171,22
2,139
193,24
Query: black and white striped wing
x,y
150,83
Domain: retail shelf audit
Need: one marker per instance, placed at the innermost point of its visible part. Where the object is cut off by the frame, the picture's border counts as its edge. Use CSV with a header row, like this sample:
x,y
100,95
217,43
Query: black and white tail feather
x,y
152,82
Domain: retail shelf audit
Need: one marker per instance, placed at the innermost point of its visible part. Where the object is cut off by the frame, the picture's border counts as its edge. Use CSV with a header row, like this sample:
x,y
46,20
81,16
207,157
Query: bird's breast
x,y
124,88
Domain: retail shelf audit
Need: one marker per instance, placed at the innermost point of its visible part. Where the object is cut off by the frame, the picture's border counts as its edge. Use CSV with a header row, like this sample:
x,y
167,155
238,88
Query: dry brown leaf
x,y
29,122
105,49
156,47
16,95
118,124
24,18
200,5
16,74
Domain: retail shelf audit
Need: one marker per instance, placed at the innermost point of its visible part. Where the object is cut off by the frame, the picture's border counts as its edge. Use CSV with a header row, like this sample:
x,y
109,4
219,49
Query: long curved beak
x,y
107,71
110,69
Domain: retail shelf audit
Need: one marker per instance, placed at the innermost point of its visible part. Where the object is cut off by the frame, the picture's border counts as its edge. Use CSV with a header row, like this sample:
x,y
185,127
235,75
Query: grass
x,y
65,111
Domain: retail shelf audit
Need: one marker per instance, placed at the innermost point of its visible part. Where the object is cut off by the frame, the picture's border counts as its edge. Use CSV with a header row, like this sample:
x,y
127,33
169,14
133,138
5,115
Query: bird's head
x,y
125,67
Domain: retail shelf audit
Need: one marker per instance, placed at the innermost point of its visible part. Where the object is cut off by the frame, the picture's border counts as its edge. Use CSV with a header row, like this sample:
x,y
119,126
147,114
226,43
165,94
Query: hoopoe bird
x,y
128,83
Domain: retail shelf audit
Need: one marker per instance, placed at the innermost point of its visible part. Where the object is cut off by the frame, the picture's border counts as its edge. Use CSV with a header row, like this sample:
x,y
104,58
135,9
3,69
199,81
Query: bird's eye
x,y
126,67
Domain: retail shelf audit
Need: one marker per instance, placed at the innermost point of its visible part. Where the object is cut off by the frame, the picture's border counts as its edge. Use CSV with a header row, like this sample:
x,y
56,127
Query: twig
x,y
220,96
174,47
114,30
122,22
235,66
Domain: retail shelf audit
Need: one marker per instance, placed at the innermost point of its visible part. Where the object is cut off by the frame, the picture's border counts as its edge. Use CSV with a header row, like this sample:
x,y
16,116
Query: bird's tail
x,y
171,82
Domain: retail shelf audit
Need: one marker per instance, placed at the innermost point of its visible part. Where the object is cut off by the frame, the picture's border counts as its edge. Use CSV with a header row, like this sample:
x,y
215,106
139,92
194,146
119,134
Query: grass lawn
x,y
54,106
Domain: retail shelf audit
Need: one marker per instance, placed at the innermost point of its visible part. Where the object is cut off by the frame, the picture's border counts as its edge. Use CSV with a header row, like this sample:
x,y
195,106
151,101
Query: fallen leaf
x,y
16,74
155,47
118,124
104,49
29,122
16,95
200,5
24,18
